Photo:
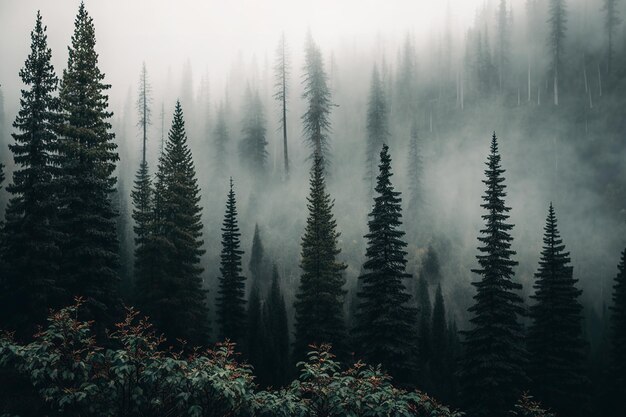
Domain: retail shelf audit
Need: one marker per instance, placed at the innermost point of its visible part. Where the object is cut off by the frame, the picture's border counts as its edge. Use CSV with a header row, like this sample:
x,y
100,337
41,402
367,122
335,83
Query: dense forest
x,y
430,222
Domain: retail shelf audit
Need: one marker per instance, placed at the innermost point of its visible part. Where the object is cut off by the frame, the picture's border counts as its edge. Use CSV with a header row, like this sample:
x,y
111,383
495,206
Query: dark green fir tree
x,y
555,341
377,128
169,282
275,313
316,118
320,296
253,145
87,156
386,326
493,367
231,302
257,336
618,337
440,362
424,343
32,245
257,264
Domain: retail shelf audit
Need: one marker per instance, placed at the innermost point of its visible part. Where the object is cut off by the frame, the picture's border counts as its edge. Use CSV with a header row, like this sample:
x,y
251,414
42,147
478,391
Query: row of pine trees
x,y
59,240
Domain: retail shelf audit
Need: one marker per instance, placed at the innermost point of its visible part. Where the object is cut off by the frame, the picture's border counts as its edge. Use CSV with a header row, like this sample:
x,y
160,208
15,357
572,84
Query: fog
x,y
205,53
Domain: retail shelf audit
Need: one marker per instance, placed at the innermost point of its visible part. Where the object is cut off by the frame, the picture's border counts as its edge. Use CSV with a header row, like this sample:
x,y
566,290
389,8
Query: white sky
x,y
210,33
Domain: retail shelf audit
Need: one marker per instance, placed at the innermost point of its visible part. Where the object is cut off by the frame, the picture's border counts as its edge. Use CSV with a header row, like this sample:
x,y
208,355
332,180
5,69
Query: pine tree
x,y
406,82
431,269
424,345
142,191
87,153
503,43
611,21
414,173
377,128
257,264
169,282
320,297
275,314
257,337
493,365
316,118
618,335
253,146
282,71
220,142
557,20
555,342
31,247
440,362
231,304
385,332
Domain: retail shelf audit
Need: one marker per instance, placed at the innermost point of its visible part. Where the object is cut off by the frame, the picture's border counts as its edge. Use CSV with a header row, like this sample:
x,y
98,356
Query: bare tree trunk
x,y
529,80
599,80
556,87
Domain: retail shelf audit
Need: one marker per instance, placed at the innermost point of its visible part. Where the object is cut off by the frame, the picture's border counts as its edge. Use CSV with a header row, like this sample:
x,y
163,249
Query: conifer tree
x,y
253,146
31,247
502,43
231,304
221,141
257,264
257,335
611,21
555,342
142,191
406,81
557,20
431,269
275,313
492,371
316,118
87,155
440,362
320,297
385,331
282,71
377,128
618,335
414,173
169,282
424,346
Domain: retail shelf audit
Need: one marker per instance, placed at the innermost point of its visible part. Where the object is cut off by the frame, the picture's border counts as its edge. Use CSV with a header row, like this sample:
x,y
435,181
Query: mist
x,y
208,53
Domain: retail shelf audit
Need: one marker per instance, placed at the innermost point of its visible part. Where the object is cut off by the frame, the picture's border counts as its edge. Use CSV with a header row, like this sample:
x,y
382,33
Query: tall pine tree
x,y
556,42
377,128
424,344
555,342
320,297
440,361
282,71
169,282
386,326
231,304
275,314
492,371
316,118
87,155
32,245
618,335
253,145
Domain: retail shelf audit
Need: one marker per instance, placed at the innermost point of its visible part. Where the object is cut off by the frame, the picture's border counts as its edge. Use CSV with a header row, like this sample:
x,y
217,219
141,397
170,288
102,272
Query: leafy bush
x,y
136,376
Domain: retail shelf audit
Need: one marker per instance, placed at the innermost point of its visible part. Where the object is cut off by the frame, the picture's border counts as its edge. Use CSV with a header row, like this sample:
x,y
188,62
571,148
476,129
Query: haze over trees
x,y
283,221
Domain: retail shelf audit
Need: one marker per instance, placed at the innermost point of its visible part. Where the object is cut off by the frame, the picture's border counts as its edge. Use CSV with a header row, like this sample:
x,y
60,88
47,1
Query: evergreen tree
x,y
431,269
282,71
557,20
377,127
492,371
31,247
90,248
618,336
440,362
385,331
253,146
221,141
320,297
611,21
406,81
424,345
275,314
503,43
257,264
257,337
555,342
169,282
231,304
414,173
316,118
142,191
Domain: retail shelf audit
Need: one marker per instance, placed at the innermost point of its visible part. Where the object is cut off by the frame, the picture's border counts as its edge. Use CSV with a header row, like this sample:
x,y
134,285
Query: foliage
x,y
74,376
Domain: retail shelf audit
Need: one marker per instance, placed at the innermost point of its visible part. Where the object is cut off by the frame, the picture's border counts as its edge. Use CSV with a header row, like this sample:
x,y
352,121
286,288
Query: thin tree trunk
x,y
599,80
